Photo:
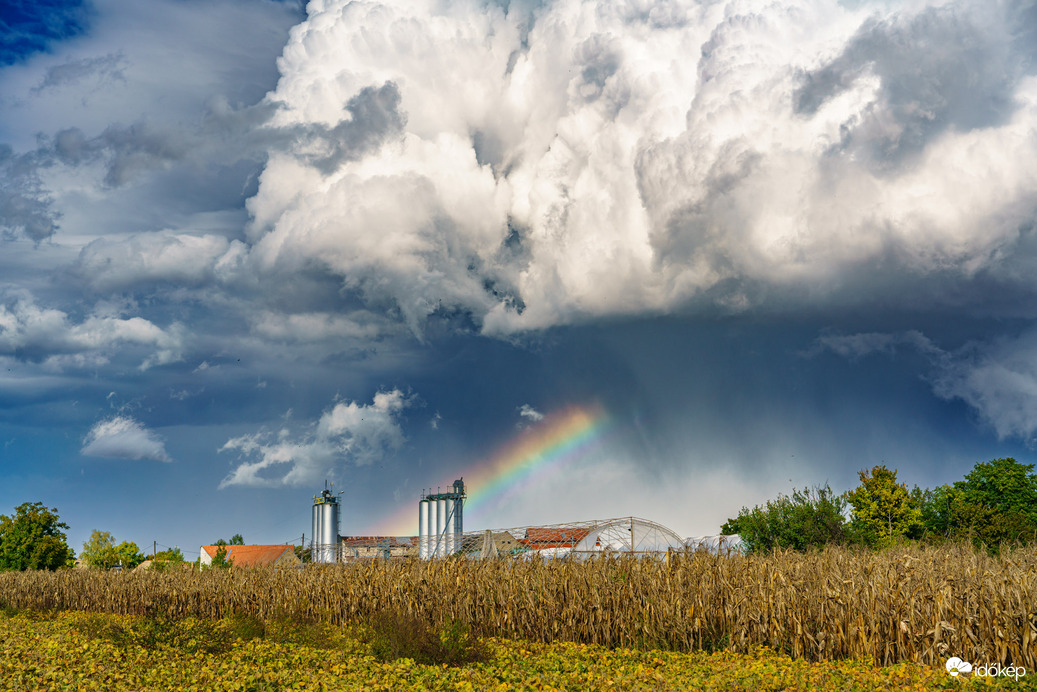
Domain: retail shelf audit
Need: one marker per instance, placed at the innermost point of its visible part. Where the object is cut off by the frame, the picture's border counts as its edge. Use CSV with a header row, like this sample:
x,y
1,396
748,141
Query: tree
x,y
170,555
806,519
883,510
33,539
219,560
167,559
129,555
935,506
236,539
996,502
101,552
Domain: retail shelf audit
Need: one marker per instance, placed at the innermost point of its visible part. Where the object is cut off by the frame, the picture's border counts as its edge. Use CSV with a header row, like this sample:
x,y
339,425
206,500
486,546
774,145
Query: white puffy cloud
x,y
357,433
553,162
122,437
31,332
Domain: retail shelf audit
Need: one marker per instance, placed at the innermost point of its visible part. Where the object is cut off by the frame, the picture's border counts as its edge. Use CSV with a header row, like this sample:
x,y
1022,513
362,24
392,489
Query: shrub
x,y
399,635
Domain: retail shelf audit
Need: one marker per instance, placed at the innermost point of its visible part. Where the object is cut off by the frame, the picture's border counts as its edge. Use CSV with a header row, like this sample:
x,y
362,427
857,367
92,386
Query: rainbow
x,y
536,453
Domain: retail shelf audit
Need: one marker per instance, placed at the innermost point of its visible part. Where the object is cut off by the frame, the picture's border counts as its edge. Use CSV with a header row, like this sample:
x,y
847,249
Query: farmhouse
x,y
253,555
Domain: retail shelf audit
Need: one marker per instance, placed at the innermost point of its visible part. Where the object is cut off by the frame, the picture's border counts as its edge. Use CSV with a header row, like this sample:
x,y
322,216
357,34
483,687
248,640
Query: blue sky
x,y
250,246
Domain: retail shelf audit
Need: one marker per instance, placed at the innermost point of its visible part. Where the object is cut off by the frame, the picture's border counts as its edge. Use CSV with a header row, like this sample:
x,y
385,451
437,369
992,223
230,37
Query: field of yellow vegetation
x,y
85,651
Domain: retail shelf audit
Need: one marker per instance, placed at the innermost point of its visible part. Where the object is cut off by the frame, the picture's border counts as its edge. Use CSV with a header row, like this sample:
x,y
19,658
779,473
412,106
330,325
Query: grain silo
x,y
440,522
325,528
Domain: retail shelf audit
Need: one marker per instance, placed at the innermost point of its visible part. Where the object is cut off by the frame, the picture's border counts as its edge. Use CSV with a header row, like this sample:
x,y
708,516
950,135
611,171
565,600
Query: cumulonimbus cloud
x,y
123,437
536,164
346,433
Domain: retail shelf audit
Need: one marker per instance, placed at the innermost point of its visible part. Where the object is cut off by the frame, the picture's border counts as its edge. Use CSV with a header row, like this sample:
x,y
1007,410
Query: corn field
x,y
912,604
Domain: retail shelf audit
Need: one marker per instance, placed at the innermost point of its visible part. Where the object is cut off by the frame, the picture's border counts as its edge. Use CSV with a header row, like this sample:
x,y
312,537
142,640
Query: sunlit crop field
x,y
920,605
67,651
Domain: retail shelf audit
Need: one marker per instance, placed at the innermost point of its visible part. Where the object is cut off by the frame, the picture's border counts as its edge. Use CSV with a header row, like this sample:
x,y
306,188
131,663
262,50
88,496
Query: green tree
x,y
935,507
806,519
170,555
101,551
219,560
883,510
996,502
236,539
167,559
129,554
33,539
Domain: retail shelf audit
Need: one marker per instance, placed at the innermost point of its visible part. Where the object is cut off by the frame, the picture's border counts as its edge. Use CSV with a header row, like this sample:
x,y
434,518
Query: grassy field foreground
x,y
89,651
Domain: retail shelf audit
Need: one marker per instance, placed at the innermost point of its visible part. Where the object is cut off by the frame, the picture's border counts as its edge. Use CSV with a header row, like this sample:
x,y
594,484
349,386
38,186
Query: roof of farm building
x,y
380,541
554,536
251,555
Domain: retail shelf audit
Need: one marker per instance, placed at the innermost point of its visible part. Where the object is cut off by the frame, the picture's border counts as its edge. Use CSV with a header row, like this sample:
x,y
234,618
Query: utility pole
x,y
154,549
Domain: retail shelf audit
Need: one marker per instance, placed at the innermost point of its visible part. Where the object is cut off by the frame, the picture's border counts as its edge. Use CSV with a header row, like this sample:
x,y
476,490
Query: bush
x,y
398,635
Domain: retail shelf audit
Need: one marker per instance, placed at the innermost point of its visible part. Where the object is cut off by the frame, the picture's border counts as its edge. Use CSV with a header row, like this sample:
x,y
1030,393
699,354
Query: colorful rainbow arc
x,y
535,453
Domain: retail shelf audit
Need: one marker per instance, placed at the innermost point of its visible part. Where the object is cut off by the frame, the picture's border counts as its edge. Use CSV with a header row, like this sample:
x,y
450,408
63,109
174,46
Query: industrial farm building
x,y
577,540
441,534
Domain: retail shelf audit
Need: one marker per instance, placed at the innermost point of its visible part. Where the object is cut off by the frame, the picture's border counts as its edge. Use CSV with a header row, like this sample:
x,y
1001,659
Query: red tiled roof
x,y
554,537
250,555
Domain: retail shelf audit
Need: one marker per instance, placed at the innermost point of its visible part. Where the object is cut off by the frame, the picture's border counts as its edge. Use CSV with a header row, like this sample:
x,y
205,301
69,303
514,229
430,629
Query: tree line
x,y
993,505
34,538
